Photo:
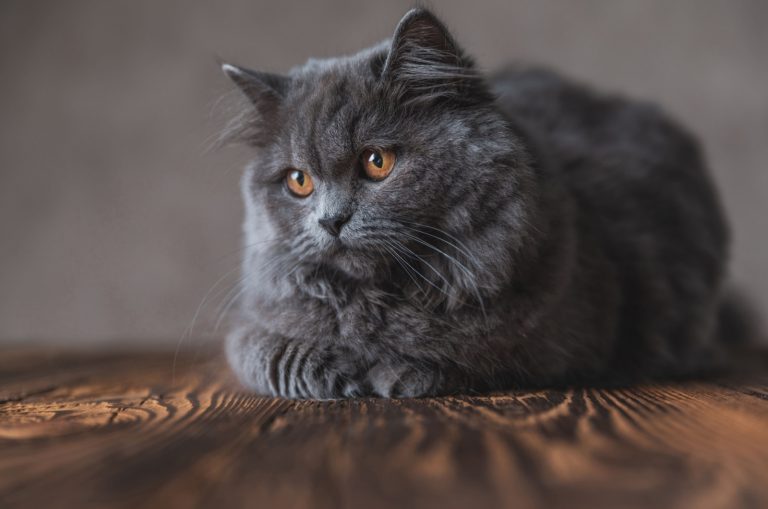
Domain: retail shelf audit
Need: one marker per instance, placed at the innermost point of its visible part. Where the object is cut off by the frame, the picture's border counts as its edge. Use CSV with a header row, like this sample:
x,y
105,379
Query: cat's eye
x,y
299,183
377,163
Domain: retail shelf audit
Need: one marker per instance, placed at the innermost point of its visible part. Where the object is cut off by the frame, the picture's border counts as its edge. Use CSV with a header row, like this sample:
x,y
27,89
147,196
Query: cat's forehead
x,y
358,64
347,77
327,100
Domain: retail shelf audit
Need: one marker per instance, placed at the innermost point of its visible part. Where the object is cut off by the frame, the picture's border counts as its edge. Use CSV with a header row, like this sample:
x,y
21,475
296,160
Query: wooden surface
x,y
116,430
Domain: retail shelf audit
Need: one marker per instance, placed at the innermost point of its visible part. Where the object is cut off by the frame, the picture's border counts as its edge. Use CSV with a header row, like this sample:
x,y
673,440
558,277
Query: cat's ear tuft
x,y
424,58
256,85
230,70
266,92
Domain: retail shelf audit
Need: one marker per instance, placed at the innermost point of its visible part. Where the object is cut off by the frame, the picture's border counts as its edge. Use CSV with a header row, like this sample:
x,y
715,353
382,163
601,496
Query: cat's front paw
x,y
405,381
278,366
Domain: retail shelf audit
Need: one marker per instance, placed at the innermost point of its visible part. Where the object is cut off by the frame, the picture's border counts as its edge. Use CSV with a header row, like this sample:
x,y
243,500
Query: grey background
x,y
115,220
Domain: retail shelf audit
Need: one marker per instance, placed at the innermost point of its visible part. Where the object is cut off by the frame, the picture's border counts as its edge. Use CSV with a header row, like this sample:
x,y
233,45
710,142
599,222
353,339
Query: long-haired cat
x,y
416,228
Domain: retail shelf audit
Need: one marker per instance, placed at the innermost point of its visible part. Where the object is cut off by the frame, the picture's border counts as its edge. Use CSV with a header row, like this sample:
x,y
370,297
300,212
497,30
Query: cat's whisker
x,y
405,250
237,290
191,327
472,278
234,292
402,264
441,252
462,247
275,265
210,294
207,297
231,302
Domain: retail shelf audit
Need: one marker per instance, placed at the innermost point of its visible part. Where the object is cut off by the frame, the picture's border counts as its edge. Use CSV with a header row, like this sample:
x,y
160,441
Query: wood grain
x,y
119,430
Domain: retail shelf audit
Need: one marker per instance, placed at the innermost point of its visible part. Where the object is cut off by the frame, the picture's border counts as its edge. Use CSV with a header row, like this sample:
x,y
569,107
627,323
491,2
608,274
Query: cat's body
x,y
531,232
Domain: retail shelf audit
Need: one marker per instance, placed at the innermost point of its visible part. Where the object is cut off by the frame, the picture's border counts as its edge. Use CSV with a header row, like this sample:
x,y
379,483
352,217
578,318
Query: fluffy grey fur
x,y
532,232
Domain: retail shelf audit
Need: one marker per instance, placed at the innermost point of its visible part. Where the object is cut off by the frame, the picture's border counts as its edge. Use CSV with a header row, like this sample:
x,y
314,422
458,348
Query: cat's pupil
x,y
298,177
377,159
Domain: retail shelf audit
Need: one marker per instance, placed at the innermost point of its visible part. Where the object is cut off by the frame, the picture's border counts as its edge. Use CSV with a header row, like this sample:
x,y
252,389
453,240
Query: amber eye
x,y
377,163
299,183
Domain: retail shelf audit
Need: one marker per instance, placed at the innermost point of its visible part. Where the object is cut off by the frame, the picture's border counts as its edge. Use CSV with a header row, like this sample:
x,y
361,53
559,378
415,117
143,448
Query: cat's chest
x,y
367,315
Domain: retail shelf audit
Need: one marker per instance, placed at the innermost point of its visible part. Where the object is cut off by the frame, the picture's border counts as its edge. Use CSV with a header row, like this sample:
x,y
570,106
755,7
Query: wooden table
x,y
86,430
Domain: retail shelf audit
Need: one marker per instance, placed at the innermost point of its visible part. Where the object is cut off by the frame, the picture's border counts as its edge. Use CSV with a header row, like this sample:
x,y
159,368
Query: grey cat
x,y
414,228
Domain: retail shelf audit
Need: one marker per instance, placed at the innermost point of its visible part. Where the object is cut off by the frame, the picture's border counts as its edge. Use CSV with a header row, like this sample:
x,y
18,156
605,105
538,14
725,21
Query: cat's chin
x,y
354,264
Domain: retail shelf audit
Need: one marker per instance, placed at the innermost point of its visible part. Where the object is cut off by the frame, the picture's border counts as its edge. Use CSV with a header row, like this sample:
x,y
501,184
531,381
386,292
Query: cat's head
x,y
362,161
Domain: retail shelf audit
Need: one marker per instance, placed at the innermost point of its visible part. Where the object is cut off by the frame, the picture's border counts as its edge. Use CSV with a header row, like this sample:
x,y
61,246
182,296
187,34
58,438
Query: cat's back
x,y
624,161
575,124
641,188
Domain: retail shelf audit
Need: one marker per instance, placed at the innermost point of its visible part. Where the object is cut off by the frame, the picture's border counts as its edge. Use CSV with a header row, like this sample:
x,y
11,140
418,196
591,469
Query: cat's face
x,y
359,157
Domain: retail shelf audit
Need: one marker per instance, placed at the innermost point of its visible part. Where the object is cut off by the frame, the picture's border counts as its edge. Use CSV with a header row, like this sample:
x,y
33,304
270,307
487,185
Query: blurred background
x,y
116,220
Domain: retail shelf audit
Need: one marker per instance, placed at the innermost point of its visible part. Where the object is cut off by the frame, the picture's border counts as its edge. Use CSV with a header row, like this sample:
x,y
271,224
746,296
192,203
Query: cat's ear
x,y
424,61
265,90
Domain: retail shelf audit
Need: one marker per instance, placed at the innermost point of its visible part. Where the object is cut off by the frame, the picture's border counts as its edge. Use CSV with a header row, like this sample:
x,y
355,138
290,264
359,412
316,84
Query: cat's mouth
x,y
343,246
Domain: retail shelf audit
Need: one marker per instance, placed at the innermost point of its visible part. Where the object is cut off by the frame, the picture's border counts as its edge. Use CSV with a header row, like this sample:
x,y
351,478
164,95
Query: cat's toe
x,y
389,382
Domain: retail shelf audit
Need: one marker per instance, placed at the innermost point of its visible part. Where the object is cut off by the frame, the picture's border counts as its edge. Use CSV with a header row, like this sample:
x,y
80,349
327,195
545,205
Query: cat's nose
x,y
334,223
